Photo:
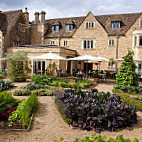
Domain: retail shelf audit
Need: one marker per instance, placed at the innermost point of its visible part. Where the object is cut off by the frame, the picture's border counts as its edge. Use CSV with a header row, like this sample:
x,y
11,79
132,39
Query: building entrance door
x,y
39,67
88,67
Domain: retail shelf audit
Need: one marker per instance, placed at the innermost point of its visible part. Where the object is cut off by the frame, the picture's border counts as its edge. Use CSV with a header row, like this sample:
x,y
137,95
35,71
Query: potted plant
x,y
96,77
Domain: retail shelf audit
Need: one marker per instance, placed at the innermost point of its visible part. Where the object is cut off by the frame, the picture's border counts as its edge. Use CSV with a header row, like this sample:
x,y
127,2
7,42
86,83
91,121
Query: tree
x,y
127,75
17,66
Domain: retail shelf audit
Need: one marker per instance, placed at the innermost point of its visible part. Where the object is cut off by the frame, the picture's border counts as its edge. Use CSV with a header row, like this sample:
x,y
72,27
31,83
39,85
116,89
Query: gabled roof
x,y
126,21
11,17
3,23
63,21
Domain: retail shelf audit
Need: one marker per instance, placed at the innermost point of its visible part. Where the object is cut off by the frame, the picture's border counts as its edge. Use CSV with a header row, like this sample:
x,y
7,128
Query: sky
x,y
71,8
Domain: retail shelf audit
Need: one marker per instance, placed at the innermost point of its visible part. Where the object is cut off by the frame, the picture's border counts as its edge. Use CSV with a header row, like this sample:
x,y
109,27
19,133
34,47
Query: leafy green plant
x,y
7,101
5,85
17,66
127,75
43,92
100,138
24,111
21,92
34,86
131,101
2,75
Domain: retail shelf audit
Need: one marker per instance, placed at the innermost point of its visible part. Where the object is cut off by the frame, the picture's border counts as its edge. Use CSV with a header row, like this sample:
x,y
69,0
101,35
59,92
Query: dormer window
x,y
55,28
90,25
69,27
116,25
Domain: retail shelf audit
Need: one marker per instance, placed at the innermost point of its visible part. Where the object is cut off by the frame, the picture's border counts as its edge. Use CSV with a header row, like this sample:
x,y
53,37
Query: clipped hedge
x,y
128,89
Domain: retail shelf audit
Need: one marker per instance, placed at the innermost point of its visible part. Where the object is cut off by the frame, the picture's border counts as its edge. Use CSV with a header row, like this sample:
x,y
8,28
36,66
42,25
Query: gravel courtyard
x,y
49,125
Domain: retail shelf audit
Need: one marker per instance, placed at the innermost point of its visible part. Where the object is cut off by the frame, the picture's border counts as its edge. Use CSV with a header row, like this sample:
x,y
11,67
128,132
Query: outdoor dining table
x,y
80,75
102,76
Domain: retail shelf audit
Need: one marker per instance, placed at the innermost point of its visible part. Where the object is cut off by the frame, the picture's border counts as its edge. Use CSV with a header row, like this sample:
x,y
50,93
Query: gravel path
x,y
49,125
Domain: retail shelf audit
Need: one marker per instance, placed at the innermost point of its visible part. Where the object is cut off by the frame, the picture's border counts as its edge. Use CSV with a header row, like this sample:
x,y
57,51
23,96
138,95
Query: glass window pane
x,y
87,25
84,44
91,43
135,44
112,42
92,24
88,44
140,42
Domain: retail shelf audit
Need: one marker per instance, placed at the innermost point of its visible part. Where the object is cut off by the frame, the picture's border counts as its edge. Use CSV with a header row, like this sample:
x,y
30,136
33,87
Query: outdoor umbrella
x,y
49,56
135,59
101,59
84,58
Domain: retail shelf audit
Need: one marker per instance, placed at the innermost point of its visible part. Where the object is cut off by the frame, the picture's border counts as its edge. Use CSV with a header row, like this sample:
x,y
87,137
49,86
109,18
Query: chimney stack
x,y
36,18
42,17
26,14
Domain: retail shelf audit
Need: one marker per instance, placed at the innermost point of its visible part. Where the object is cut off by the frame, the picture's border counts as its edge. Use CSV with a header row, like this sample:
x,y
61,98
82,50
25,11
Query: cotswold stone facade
x,y
109,36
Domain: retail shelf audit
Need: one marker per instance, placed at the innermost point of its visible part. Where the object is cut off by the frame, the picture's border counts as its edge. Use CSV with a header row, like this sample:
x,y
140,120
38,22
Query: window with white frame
x,y
140,67
110,65
115,25
69,27
65,42
52,42
137,40
88,44
90,25
55,28
111,42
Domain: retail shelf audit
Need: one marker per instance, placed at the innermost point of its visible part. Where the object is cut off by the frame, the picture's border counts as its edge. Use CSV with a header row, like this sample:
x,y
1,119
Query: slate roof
x,y
3,23
126,21
11,16
63,21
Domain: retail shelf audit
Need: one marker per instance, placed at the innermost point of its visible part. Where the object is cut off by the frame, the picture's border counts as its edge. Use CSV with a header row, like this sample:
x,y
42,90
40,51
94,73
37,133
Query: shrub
x,y
100,138
21,92
6,101
127,75
34,86
4,85
95,110
17,65
24,111
43,92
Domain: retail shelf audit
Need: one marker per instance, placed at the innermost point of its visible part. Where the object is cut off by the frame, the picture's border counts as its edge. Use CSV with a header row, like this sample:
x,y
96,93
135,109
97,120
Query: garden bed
x,y
16,114
93,110
60,82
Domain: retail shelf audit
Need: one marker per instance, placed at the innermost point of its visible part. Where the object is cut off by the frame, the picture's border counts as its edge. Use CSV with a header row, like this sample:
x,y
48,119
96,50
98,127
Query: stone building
x,y
109,36
14,31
